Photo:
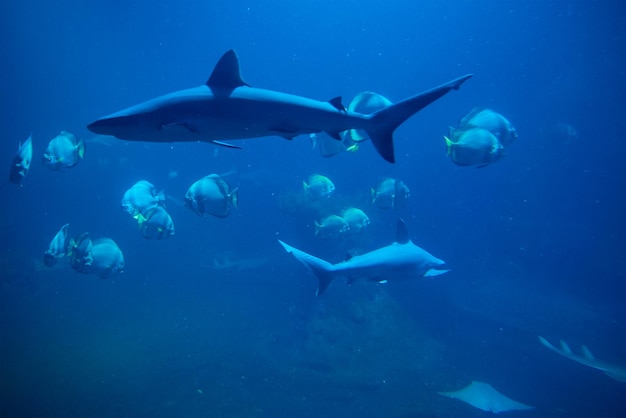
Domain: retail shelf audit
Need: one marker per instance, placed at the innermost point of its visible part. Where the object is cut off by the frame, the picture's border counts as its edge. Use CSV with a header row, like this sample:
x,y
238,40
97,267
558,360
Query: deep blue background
x,y
535,241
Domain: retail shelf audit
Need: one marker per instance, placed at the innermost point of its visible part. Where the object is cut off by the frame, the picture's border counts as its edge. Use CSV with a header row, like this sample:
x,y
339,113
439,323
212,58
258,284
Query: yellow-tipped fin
x,y
234,198
449,144
353,148
140,218
80,147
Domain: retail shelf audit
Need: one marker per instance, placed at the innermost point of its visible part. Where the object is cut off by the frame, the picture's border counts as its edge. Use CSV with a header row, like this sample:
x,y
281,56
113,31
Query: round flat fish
x,y
318,187
476,146
155,223
63,151
356,219
140,197
332,227
107,258
493,122
211,195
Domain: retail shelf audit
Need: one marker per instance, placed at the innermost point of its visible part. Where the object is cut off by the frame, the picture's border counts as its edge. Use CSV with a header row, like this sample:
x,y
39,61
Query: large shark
x,y
400,260
614,371
227,108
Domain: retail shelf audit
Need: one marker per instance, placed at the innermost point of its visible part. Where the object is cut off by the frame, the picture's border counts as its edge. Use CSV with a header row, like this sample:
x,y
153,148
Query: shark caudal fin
x,y
385,121
322,269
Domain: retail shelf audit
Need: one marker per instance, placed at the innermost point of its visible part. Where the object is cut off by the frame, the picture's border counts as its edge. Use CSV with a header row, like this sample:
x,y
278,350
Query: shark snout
x,y
103,126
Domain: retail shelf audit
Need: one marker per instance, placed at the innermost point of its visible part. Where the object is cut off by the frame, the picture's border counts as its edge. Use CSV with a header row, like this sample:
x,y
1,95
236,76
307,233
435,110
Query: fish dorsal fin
x,y
336,102
402,234
226,75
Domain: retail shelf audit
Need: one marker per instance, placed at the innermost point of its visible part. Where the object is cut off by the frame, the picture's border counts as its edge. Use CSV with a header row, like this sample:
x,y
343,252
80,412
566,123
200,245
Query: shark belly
x,y
390,263
199,114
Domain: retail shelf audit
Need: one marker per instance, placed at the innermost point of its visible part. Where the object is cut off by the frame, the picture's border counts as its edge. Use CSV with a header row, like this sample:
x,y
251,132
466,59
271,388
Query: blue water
x,y
535,241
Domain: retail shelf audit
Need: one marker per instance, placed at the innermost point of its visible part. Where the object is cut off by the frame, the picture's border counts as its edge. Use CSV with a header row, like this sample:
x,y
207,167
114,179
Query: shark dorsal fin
x,y
402,234
226,74
587,353
336,103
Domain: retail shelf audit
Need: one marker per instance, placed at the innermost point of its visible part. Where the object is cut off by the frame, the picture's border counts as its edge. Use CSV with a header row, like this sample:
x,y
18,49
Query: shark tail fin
x,y
385,121
322,269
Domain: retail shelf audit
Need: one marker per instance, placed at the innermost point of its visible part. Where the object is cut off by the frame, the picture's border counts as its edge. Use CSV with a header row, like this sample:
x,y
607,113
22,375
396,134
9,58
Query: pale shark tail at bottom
x,y
322,269
385,121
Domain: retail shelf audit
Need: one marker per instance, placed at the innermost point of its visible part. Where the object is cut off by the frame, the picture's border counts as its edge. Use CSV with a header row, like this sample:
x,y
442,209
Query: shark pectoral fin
x,y
434,272
178,127
616,376
285,133
225,144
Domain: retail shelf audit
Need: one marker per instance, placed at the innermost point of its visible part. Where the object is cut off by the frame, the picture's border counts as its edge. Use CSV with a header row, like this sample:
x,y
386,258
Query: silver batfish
x,y
211,195
21,161
63,151
57,247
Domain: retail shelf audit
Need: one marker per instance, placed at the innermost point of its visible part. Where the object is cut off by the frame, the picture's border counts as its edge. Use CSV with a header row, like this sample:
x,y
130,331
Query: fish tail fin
x,y
322,269
385,121
449,144
80,148
234,197
69,250
373,194
318,228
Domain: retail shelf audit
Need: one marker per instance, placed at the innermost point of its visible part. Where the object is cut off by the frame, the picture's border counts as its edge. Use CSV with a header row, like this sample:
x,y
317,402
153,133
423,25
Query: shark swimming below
x,y
227,108
483,396
614,371
400,260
